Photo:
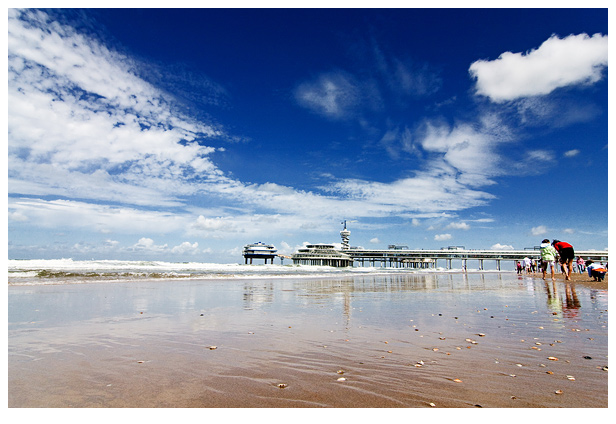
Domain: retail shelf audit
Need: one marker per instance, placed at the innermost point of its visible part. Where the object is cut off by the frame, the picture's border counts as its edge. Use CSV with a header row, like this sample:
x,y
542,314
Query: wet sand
x,y
400,341
577,278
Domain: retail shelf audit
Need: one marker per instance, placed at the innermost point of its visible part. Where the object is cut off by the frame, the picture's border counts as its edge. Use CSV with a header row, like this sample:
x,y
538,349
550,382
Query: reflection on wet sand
x,y
567,306
449,340
261,292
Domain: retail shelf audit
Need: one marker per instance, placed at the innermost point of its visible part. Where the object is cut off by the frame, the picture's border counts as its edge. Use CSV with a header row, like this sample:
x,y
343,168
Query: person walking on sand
x,y
548,256
566,253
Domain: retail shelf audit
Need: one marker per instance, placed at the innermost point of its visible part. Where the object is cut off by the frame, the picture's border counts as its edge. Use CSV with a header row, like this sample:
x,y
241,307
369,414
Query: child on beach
x,y
548,256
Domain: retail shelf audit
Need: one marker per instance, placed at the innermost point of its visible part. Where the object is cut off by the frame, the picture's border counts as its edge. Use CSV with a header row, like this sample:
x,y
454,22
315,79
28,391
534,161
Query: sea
x,y
69,271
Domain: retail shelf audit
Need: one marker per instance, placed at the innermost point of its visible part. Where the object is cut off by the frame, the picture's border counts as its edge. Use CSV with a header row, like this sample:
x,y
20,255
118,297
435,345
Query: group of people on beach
x,y
566,256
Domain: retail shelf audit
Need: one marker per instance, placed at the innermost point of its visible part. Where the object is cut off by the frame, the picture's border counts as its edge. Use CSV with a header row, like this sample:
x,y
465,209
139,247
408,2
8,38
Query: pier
x,y
400,256
322,255
409,258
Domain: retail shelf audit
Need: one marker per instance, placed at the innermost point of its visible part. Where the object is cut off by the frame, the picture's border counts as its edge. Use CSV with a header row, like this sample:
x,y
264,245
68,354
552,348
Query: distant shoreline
x,y
68,271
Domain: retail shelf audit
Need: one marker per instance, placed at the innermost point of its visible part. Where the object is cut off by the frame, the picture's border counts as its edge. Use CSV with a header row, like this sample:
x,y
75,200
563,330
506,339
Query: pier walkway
x,y
407,258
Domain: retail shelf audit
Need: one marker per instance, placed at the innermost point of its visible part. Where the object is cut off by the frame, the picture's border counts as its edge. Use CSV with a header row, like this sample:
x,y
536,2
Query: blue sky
x,y
185,134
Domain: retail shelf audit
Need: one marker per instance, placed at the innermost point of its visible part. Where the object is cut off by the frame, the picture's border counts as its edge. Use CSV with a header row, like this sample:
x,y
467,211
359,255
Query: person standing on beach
x,y
580,264
548,256
566,253
527,264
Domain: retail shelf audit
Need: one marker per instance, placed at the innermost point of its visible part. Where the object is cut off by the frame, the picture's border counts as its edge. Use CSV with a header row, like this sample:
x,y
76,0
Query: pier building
x,y
322,255
259,250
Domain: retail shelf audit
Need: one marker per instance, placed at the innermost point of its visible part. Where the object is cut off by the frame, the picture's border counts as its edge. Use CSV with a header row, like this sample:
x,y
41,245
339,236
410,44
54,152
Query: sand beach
x,y
403,340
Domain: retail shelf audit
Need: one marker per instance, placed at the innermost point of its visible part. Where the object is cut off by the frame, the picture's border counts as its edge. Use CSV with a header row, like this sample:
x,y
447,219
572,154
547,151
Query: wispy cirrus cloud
x,y
79,118
336,95
571,153
434,190
102,218
403,75
346,94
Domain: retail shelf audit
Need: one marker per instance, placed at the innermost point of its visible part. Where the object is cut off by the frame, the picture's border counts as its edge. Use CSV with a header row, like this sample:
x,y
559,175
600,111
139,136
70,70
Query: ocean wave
x,y
69,271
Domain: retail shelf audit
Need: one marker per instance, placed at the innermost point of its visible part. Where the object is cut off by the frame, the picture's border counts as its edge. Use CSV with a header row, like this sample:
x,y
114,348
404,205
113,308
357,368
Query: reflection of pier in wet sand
x,y
398,339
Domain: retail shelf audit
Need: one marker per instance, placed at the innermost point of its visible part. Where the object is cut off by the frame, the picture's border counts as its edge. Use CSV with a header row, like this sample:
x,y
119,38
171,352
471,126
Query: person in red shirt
x,y
566,254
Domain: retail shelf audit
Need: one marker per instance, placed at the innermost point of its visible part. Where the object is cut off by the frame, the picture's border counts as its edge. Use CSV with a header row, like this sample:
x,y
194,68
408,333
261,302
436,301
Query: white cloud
x,y
539,230
82,125
442,237
375,240
63,214
499,246
217,227
573,60
571,153
458,226
471,150
540,155
17,216
147,244
111,243
69,213
568,231
225,224
80,120
431,191
186,248
111,137
285,248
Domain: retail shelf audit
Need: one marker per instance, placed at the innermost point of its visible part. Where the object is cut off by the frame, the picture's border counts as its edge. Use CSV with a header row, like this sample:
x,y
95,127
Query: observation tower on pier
x,y
345,234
